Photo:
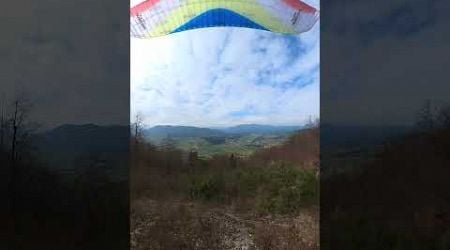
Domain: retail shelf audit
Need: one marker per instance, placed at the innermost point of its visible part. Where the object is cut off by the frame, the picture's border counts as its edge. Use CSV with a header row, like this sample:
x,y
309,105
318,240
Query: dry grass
x,y
173,226
301,232
185,225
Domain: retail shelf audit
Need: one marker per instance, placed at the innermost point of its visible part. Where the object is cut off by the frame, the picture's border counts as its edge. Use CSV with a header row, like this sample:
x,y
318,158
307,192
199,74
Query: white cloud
x,y
225,76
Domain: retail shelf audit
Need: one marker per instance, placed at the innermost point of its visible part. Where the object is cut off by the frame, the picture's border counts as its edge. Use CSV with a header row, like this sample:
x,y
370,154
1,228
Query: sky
x,y
75,62
225,77
69,58
381,60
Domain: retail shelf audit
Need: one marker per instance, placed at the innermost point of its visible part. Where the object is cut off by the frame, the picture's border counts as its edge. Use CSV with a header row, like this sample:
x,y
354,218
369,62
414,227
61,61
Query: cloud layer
x,y
226,76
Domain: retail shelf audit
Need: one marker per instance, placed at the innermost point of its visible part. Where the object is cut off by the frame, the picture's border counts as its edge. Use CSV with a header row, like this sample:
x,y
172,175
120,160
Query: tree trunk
x,y
2,132
14,138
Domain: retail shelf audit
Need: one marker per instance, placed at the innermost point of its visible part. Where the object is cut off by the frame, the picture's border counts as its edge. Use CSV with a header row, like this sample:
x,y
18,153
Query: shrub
x,y
276,189
286,190
207,187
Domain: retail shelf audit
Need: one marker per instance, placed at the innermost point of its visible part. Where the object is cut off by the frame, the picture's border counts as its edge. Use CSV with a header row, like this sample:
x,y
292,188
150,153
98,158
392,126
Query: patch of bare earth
x,y
185,225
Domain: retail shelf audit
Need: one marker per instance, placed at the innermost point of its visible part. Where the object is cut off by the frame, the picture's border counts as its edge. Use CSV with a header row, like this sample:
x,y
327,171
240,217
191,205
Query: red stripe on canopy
x,y
300,6
143,7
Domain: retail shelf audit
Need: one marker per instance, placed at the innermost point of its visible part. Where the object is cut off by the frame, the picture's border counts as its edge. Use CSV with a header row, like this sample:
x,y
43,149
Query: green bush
x,y
275,189
249,180
207,187
286,189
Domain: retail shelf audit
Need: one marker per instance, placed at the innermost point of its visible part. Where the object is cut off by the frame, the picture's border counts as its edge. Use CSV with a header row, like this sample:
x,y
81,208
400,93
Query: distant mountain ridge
x,y
85,138
69,146
349,136
92,137
260,129
162,131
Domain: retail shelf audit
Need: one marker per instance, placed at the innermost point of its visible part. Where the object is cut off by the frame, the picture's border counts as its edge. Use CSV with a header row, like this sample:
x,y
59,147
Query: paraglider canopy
x,y
153,18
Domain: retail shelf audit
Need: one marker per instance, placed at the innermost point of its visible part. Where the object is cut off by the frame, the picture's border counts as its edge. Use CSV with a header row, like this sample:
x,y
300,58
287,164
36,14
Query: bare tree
x,y
138,126
20,110
15,130
312,122
2,122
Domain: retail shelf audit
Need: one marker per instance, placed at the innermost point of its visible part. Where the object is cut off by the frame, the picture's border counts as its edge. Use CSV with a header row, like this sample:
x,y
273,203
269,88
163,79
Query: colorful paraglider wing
x,y
153,18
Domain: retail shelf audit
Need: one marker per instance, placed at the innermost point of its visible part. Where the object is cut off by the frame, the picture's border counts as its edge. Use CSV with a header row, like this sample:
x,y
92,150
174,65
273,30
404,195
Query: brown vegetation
x,y
301,149
182,201
43,209
403,197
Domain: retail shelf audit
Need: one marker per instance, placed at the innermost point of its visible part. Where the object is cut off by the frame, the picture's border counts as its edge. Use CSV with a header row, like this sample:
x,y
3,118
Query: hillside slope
x,y
301,149
160,132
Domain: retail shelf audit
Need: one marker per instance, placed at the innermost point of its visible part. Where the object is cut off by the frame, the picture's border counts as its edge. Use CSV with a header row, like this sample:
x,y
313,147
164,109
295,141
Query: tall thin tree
x,y
138,124
15,126
20,109
2,123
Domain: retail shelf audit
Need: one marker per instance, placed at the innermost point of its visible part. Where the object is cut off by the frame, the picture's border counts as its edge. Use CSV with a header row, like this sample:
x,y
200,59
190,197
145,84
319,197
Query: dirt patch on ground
x,y
188,225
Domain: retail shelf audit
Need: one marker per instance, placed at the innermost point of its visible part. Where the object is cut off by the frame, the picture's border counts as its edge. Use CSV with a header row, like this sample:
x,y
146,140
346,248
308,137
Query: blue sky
x,y
226,76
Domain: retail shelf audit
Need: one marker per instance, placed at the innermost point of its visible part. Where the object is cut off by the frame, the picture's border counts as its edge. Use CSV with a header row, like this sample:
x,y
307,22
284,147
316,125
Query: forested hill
x,y
301,149
162,131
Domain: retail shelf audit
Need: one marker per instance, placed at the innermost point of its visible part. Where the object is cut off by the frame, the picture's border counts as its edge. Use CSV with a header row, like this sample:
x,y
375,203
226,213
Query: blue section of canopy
x,y
219,17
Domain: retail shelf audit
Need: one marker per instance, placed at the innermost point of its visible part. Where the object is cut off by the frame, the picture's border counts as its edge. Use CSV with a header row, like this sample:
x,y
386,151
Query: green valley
x,y
242,140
